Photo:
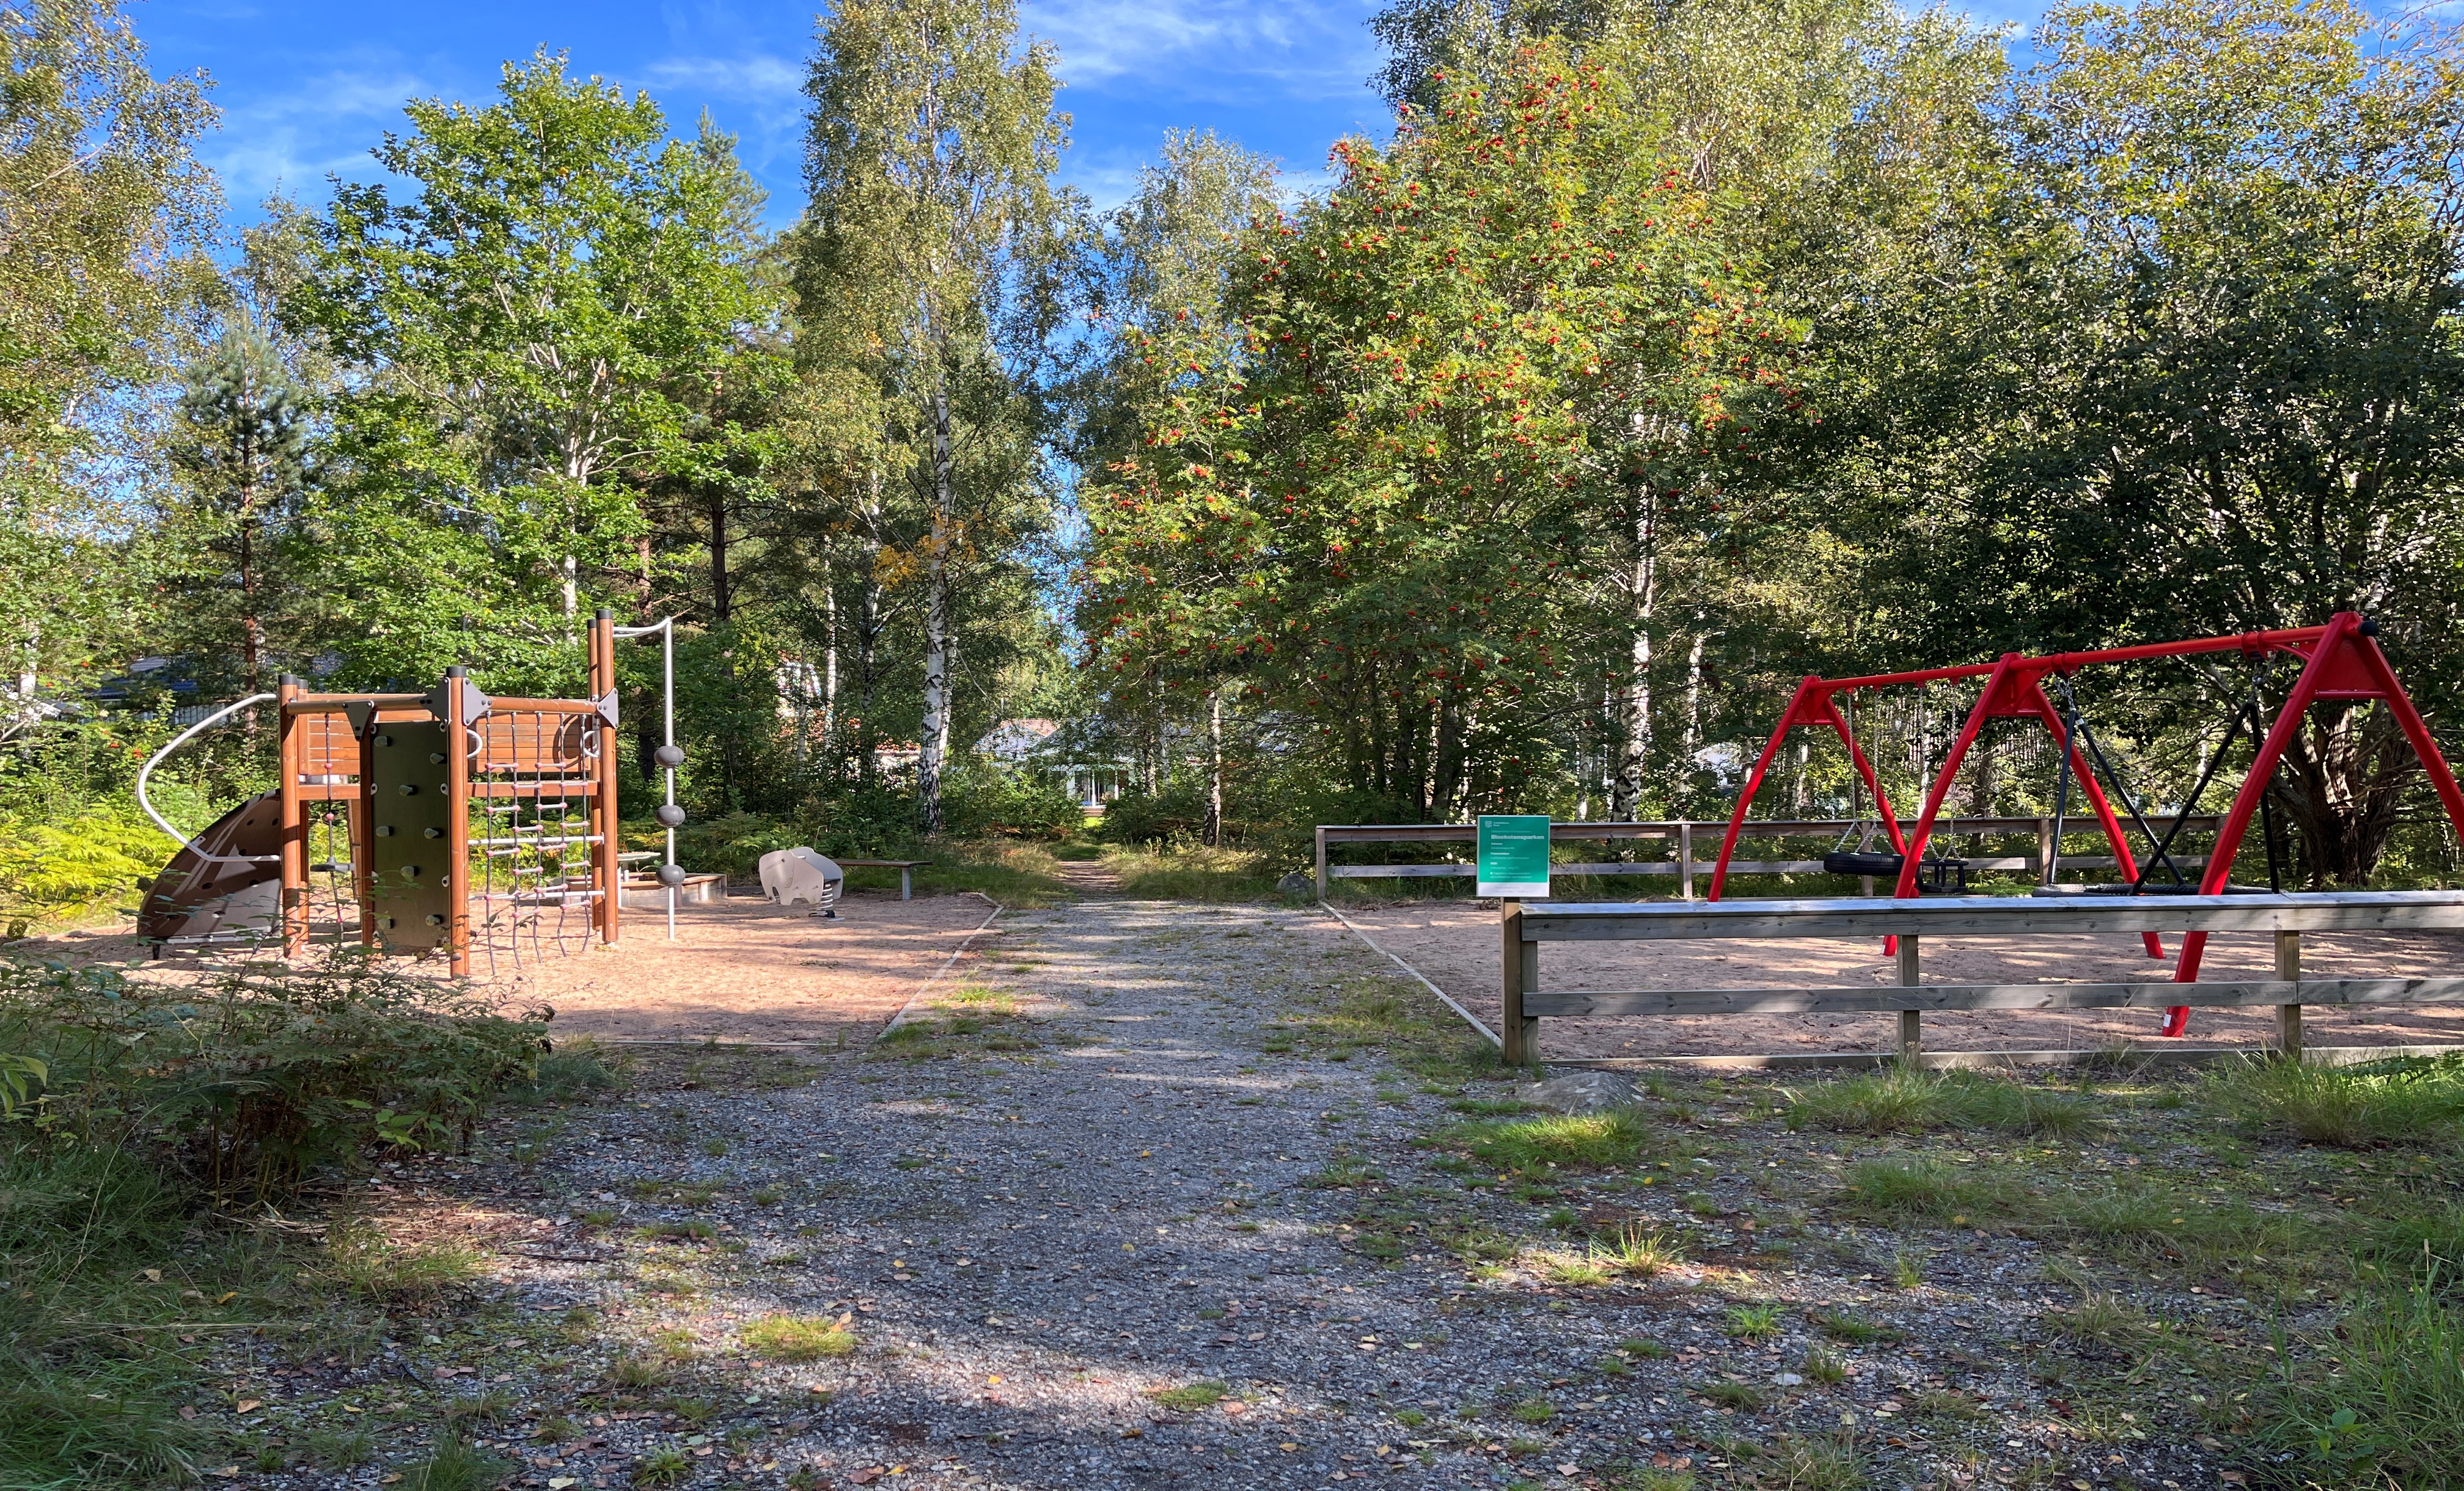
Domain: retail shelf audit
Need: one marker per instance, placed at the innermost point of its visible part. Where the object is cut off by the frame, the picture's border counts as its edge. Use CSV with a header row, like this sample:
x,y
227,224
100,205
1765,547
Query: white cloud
x,y
290,142
1190,47
755,77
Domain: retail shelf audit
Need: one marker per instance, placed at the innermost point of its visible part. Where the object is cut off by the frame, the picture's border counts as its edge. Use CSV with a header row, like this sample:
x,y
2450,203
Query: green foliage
x,y
51,872
1384,497
528,313
104,213
1021,803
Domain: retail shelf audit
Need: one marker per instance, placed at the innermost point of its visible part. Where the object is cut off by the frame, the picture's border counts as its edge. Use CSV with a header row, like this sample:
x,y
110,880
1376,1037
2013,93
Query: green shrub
x,y
1139,816
1026,803
266,1071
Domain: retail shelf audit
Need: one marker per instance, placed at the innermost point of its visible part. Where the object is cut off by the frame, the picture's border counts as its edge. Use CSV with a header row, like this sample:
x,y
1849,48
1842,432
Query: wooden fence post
x,y
1911,1036
1321,862
2045,848
1686,861
1518,963
2288,1017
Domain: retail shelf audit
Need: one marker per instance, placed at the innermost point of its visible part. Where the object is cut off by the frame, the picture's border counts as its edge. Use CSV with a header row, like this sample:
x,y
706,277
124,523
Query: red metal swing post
x,y
2345,662
2016,690
1811,705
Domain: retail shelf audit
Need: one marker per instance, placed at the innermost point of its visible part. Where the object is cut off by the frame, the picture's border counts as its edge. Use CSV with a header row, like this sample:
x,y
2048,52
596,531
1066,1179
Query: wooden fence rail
x,y
1525,1000
1683,864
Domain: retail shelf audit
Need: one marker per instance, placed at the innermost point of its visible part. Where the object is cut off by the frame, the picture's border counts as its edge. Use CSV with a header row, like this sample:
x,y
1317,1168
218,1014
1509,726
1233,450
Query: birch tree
x,y
932,248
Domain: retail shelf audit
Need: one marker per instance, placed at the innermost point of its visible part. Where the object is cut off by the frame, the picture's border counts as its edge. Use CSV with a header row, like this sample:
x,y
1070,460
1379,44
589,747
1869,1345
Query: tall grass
x,y
2417,1101
1193,873
2381,1401
154,1118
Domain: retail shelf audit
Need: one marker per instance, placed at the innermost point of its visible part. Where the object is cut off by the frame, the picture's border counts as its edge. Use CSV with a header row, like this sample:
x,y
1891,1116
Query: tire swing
x,y
1937,873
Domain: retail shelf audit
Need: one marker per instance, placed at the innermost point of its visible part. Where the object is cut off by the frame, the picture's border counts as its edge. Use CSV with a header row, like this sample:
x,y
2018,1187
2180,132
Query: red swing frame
x,y
2340,661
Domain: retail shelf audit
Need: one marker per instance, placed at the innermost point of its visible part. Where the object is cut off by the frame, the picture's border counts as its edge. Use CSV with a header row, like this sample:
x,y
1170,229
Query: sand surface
x,y
1456,945
740,969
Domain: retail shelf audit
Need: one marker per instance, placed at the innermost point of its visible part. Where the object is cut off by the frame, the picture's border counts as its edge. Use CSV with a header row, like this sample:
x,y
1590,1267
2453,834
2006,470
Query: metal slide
x,y
203,890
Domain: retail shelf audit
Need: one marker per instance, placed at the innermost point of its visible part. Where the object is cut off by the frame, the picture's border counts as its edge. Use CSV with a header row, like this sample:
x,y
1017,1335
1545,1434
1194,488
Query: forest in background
x,y
1657,357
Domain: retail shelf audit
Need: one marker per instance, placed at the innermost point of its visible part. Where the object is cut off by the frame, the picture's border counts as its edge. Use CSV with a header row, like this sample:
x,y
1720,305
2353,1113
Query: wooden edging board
x,y
1988,1060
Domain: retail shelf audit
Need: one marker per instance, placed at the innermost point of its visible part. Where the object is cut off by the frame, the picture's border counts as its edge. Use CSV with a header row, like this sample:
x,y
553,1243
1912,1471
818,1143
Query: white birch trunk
x,y
933,749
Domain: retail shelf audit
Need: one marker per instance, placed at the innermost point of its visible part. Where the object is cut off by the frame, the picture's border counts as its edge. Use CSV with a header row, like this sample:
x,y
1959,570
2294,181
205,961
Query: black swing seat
x,y
1936,876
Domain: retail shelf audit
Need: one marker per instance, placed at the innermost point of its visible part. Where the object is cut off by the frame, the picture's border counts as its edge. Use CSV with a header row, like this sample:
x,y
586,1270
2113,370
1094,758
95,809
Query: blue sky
x,y
306,89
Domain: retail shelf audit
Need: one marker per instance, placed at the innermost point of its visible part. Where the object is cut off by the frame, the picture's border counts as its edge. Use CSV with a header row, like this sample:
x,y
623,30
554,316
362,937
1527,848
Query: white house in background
x,y
1016,742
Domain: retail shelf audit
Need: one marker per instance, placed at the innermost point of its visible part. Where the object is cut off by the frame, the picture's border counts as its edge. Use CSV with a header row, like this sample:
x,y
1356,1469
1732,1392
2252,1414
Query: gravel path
x,y
1135,1166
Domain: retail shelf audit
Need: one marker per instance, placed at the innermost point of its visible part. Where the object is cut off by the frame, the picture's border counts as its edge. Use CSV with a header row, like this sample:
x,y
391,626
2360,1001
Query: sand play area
x,y
1456,945
740,969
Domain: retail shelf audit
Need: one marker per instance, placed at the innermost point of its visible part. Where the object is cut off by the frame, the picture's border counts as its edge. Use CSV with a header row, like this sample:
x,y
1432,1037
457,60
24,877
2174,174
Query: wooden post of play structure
x,y
607,871
1911,1033
456,767
294,903
2288,1017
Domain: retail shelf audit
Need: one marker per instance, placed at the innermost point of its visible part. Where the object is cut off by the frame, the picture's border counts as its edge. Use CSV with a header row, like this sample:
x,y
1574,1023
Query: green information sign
x,y
1514,854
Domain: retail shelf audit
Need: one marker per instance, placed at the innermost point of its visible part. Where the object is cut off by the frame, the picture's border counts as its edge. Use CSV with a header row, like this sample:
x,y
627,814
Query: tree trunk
x,y
830,669
1625,800
721,584
1689,765
1214,769
933,747
2343,783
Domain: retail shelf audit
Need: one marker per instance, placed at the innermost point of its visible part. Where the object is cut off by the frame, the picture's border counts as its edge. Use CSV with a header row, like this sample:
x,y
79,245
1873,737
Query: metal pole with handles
x,y
671,875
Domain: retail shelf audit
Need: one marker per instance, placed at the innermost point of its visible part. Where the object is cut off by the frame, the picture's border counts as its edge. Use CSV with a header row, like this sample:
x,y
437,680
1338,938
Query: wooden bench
x,y
906,869
1526,926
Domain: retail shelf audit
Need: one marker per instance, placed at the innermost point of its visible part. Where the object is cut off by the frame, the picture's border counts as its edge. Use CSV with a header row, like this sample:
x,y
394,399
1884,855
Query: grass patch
x,y
1907,1099
1637,1253
1192,1397
1754,1322
454,1465
1532,1146
1193,873
2410,1101
1917,1188
795,1338
1741,1397
1854,1330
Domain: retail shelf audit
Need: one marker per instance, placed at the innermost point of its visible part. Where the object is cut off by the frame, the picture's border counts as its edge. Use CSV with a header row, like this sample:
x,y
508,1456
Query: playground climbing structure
x,y
449,823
